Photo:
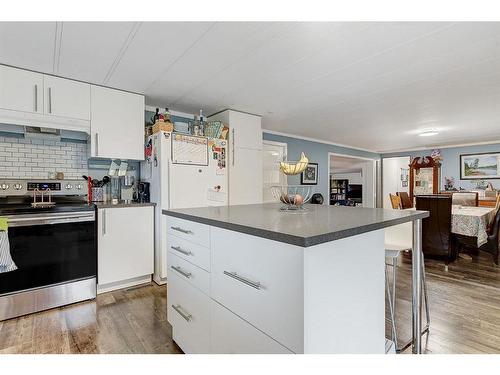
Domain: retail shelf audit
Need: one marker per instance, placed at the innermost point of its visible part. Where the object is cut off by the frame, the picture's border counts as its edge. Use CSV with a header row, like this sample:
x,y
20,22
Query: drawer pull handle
x,y
179,229
181,250
234,275
181,271
186,317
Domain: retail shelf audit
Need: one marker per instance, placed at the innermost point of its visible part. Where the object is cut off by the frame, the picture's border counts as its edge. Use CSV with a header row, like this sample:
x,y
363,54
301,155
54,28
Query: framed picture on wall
x,y
310,175
480,166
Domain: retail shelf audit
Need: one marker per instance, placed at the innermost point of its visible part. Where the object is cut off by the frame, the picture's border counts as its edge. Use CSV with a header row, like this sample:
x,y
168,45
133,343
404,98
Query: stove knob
x,y
18,186
69,186
4,186
79,186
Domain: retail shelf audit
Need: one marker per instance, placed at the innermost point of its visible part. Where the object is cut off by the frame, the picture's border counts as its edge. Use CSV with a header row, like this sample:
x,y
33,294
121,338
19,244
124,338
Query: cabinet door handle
x,y
178,308
179,229
232,151
244,280
187,275
96,144
181,250
103,222
50,100
36,98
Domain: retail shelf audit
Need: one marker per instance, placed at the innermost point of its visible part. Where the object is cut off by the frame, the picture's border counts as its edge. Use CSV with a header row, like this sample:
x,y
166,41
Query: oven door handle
x,y
49,220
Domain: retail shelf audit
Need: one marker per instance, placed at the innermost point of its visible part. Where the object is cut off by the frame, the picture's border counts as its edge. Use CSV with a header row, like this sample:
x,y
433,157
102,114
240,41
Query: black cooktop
x,y
25,208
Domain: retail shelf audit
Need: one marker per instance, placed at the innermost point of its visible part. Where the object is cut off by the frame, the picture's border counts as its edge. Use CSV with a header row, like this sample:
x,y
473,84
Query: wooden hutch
x,y
424,176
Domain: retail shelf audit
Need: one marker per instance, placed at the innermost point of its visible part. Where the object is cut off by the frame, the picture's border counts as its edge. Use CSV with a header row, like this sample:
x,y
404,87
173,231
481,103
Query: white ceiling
x,y
341,164
370,85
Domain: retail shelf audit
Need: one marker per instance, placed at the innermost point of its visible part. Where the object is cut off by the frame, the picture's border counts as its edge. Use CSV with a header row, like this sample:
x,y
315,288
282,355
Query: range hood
x,y
42,133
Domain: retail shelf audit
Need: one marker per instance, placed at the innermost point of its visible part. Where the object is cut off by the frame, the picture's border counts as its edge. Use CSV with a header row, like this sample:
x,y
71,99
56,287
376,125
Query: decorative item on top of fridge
x,y
162,121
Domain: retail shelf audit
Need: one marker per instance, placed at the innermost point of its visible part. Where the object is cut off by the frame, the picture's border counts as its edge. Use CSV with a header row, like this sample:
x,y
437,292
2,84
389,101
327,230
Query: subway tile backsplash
x,y
36,158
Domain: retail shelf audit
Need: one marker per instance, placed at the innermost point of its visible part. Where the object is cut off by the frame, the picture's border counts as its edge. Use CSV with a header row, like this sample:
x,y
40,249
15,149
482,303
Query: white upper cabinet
x,y
66,98
246,130
117,124
21,90
245,156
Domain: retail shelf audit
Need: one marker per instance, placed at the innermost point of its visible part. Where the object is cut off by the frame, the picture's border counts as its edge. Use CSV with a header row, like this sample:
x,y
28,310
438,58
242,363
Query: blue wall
x,y
317,153
450,165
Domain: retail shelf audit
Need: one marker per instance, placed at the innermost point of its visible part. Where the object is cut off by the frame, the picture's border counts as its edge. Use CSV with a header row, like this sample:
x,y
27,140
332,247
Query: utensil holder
x,y
97,194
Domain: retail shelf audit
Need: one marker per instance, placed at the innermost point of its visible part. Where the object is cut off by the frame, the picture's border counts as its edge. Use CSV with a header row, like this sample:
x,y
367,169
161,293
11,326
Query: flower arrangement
x,y
449,183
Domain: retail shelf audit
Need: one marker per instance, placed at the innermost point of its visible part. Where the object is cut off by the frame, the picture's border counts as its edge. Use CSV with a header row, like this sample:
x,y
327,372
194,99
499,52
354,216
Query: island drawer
x,y
261,281
189,230
190,251
188,311
194,275
231,334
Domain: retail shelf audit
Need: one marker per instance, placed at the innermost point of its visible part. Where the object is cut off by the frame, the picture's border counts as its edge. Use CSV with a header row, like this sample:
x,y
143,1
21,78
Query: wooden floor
x,y
464,303
125,321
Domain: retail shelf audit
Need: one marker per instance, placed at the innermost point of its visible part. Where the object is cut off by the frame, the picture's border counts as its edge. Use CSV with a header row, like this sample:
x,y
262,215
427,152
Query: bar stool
x,y
391,260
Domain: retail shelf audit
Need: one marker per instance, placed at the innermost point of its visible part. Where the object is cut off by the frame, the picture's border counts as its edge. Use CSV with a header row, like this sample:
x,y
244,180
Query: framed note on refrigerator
x,y
189,149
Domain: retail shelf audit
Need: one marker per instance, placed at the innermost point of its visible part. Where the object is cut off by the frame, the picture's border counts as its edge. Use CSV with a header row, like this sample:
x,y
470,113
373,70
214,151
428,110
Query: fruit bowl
x,y
293,197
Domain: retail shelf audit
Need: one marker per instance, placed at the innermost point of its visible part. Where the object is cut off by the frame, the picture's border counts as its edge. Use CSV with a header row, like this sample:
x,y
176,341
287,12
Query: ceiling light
x,y
428,133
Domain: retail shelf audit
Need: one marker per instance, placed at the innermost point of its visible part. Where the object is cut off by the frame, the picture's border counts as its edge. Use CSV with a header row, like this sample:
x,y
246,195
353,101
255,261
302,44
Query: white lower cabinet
x,y
231,334
188,312
228,294
125,246
259,280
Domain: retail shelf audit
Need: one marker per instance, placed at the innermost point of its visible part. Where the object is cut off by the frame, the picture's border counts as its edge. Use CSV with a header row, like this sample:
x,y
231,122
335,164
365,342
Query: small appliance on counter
x,y
142,195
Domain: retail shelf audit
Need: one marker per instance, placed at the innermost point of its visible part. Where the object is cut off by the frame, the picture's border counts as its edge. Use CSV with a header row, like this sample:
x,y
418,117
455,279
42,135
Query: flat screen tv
x,y
355,192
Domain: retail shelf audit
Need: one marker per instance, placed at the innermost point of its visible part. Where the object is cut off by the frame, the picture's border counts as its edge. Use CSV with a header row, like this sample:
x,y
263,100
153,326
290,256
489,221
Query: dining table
x,y
472,221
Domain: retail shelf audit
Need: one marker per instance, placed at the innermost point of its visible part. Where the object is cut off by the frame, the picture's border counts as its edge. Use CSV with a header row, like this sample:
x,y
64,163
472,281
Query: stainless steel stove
x,y
53,245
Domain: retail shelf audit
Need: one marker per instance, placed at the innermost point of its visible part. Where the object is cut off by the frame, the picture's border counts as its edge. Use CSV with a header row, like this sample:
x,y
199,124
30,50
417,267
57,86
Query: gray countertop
x,y
122,204
316,225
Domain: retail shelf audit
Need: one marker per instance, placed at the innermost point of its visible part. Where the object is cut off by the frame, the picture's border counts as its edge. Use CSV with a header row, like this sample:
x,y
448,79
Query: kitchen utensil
x,y
113,168
122,170
115,189
128,180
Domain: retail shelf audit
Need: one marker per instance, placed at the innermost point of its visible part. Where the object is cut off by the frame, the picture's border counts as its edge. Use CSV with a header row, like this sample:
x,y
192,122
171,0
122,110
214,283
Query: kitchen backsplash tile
x,y
36,158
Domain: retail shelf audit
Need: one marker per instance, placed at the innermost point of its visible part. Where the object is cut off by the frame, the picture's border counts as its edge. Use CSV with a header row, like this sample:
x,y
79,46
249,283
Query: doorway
x,y
352,180
272,154
395,177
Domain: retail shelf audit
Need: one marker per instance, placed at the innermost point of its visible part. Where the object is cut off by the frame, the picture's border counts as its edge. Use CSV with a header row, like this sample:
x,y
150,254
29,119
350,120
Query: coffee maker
x,y
142,195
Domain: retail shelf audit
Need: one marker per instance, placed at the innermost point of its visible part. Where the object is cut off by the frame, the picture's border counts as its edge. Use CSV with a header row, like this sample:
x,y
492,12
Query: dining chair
x,y
466,198
405,200
395,201
436,229
491,246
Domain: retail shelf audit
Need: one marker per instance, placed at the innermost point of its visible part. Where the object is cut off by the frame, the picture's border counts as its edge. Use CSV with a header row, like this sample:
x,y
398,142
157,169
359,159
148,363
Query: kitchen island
x,y
255,279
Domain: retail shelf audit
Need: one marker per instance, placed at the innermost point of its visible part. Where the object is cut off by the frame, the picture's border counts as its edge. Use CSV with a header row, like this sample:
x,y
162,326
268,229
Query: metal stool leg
x,y
426,300
427,313
394,272
391,307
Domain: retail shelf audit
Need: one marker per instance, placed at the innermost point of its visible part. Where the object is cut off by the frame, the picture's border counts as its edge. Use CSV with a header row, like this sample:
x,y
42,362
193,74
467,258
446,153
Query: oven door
x,y
50,249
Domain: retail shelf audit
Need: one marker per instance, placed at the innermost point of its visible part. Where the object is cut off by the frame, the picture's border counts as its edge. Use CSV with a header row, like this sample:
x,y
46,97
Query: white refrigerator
x,y
183,171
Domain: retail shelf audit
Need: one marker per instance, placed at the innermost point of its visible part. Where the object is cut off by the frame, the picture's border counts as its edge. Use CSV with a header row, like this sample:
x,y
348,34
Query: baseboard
x,y
159,280
104,288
